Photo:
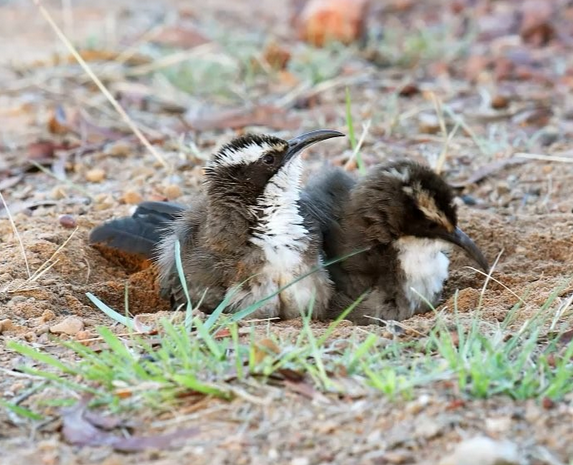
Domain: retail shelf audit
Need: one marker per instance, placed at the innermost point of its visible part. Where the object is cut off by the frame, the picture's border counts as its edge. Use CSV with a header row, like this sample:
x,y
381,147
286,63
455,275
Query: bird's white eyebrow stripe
x,y
230,156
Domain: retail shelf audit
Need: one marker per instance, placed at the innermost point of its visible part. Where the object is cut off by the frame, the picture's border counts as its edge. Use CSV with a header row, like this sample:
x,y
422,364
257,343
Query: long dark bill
x,y
462,240
299,143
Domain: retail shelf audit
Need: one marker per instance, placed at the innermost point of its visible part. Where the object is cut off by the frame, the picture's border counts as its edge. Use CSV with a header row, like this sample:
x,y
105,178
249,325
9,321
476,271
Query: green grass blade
x,y
128,322
22,411
183,281
40,357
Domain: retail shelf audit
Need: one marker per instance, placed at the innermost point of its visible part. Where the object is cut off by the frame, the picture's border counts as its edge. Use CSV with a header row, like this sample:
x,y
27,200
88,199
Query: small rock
x,y
482,450
468,199
499,101
300,461
428,124
71,325
83,335
58,193
6,325
119,149
95,175
132,197
43,329
48,315
498,425
549,136
67,221
172,191
427,427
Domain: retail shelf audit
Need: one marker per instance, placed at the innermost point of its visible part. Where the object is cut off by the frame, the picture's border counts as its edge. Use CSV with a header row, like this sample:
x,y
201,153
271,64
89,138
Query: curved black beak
x,y
299,143
461,239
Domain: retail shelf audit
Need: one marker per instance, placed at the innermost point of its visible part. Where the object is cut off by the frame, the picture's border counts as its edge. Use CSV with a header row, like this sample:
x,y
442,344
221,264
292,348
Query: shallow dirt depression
x,y
533,263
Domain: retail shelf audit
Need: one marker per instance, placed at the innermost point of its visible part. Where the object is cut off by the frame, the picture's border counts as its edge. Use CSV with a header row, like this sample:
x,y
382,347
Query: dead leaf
x,y
180,36
42,151
322,21
276,56
487,170
306,390
533,117
237,118
83,428
537,22
290,375
222,333
409,89
62,122
264,348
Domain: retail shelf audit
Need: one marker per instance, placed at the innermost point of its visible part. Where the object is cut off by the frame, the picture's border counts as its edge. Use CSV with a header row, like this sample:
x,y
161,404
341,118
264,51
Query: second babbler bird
x,y
250,225
403,214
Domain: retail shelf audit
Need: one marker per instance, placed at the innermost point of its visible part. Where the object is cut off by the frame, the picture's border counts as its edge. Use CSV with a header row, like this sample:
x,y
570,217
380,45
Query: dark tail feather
x,y
140,233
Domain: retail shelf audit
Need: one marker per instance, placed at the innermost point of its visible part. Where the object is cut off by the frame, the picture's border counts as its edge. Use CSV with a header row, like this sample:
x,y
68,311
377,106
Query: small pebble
x,y
43,329
499,101
549,136
67,221
95,175
58,193
6,325
428,124
83,335
132,197
482,450
70,325
172,191
48,315
119,149
468,199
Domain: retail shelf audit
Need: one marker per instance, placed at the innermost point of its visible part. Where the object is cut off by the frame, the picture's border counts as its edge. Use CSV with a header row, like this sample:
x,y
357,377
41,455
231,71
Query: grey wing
x,y
197,263
139,233
325,196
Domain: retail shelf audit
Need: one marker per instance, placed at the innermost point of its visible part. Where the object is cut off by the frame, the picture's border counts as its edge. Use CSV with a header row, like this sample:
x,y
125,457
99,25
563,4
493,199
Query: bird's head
x,y
406,199
243,169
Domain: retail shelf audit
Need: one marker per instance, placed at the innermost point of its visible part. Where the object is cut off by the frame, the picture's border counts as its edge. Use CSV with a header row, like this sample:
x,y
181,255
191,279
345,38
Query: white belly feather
x,y
425,266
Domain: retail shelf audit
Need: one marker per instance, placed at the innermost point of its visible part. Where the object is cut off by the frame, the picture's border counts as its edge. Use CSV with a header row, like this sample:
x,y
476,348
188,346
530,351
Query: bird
x,y
246,236
396,226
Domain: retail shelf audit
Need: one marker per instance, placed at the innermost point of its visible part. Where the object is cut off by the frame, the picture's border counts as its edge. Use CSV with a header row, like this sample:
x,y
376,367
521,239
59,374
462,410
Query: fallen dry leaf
x,y
62,122
322,21
305,389
181,36
264,348
276,56
42,151
82,428
537,22
237,118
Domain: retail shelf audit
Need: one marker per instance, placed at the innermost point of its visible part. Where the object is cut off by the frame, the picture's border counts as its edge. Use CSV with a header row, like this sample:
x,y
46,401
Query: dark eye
x,y
268,159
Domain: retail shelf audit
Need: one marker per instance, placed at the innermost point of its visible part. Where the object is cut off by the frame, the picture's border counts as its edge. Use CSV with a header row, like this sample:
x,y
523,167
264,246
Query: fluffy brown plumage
x,y
404,215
